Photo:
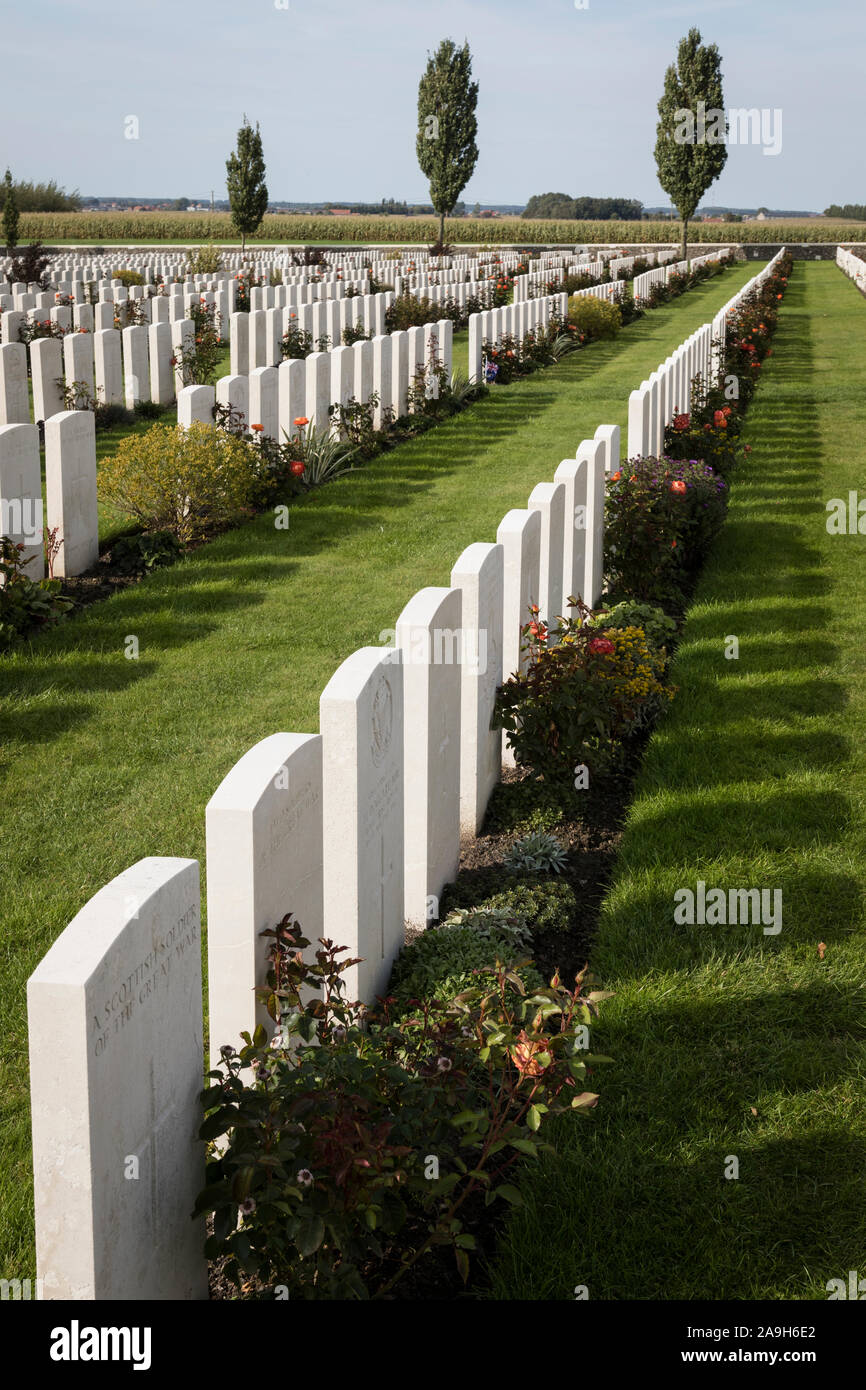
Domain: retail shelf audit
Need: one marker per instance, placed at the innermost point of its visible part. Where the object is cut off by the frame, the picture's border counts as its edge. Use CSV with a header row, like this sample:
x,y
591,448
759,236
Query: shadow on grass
x,y
727,1041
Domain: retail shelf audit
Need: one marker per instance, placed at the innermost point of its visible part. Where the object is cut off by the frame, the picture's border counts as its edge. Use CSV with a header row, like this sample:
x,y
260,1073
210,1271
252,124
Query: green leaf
x,y
509,1194
525,1146
462,1263
533,1117
310,1234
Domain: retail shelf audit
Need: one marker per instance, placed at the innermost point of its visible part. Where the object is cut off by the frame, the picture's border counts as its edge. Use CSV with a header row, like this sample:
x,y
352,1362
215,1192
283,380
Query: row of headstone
x,y
719,325
355,829
668,390
853,266
513,321
70,507
255,338
108,366
386,366
642,284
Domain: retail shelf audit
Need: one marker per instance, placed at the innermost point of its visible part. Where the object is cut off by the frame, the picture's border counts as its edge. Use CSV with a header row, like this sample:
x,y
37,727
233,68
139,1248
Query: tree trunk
x,y
685,243
441,229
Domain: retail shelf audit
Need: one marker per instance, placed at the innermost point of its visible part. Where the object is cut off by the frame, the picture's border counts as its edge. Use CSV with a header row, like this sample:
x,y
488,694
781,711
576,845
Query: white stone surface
x,y
115,1026
264,859
14,399
430,638
21,511
361,721
478,574
549,500
46,371
70,489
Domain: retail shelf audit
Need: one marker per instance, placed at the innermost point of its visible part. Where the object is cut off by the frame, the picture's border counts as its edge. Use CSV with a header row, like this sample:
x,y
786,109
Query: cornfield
x,y
96,228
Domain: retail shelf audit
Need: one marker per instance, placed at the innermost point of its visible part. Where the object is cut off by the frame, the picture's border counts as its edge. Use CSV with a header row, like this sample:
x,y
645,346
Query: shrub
x,y
320,1182
594,318
527,806
411,311
30,265
444,960
580,697
25,603
657,627
543,904
128,277
660,515
535,854
140,554
204,260
199,361
190,481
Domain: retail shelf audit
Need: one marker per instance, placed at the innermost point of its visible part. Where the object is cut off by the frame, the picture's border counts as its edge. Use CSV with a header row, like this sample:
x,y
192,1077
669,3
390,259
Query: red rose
x,y
681,422
678,486
297,466
601,646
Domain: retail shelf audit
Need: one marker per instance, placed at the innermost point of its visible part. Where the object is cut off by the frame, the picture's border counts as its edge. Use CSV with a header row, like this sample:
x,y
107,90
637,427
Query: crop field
x,y
100,227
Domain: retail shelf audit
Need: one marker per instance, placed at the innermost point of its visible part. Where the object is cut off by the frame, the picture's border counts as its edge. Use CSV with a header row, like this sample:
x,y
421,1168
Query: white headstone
x,y
21,511
382,360
292,393
234,391
264,859
182,341
318,366
46,370
264,399
478,574
572,474
78,360
519,534
610,436
549,500
195,403
239,344
592,451
136,367
159,355
107,366
430,638
361,720
116,1061
70,489
14,399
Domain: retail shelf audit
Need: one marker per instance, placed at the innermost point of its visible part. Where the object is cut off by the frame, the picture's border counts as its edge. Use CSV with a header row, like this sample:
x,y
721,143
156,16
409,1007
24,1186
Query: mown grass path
x,y
729,1042
104,760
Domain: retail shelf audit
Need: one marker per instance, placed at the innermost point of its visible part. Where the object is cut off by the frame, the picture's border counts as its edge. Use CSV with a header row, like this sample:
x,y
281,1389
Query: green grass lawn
x,y
104,760
727,1041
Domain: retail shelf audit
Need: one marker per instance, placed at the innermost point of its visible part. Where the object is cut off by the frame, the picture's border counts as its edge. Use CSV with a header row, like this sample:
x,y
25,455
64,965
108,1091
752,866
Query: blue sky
x,y
567,97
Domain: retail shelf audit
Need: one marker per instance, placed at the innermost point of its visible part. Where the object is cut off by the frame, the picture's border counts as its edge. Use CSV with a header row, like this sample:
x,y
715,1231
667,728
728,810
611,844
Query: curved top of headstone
x,y
80,949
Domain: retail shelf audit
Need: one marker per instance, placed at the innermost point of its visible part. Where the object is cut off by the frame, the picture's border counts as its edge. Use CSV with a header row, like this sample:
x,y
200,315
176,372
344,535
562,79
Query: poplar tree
x,y
692,128
10,213
446,148
248,193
